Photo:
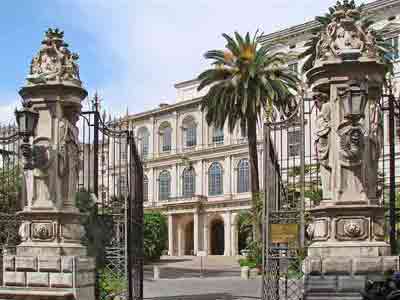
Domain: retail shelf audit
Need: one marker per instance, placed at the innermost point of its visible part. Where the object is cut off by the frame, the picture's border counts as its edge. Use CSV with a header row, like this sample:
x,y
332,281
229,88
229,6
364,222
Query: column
x,y
227,232
170,236
180,239
50,224
195,232
227,176
152,147
234,235
260,168
205,231
174,181
176,133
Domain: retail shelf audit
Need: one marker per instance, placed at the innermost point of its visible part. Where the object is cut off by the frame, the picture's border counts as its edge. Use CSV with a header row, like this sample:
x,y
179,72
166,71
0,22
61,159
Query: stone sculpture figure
x,y
54,62
345,35
68,162
322,141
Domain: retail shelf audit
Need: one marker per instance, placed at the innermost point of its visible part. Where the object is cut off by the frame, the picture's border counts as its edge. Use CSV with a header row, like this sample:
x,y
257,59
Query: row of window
x,y
189,136
215,181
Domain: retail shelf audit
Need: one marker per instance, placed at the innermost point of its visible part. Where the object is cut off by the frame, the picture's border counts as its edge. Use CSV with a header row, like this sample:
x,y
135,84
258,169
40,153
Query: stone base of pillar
x,y
62,277
343,277
349,248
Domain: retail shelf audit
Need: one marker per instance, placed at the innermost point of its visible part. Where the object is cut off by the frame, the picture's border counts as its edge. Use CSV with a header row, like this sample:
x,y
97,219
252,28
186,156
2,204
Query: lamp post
x,y
354,100
27,120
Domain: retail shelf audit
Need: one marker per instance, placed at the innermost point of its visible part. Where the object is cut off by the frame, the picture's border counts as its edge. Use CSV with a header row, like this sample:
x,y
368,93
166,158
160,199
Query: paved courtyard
x,y
181,280
220,288
190,267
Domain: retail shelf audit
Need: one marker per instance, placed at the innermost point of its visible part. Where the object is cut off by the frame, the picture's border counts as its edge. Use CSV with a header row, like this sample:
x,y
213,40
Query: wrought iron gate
x,y
283,226
10,191
109,194
112,176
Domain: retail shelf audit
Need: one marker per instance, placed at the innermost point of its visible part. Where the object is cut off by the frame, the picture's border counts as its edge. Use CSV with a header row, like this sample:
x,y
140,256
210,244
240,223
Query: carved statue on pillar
x,y
322,142
68,161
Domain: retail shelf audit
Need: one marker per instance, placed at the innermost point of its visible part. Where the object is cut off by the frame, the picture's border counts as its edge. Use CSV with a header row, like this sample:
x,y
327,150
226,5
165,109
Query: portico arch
x,y
217,236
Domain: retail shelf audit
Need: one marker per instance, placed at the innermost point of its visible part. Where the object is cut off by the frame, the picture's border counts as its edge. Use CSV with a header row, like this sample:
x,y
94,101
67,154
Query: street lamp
x,y
354,100
27,120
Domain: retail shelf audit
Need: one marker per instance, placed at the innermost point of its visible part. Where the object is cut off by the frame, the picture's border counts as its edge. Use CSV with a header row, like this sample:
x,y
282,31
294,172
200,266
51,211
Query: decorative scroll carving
x,y
379,228
352,229
351,144
320,229
345,36
348,228
42,231
54,62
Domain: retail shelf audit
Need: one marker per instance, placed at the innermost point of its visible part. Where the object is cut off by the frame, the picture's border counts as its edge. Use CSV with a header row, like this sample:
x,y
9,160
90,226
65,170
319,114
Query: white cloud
x,y
155,43
7,107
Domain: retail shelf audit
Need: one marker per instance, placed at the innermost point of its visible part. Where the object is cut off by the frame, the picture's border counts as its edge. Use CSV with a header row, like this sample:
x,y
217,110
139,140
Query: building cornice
x,y
307,27
167,109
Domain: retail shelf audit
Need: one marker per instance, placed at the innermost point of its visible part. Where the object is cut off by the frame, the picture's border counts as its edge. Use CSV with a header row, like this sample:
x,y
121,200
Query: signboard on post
x,y
284,233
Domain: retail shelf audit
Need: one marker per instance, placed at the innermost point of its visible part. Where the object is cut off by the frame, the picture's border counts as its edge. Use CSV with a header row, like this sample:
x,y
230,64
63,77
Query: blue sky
x,y
133,51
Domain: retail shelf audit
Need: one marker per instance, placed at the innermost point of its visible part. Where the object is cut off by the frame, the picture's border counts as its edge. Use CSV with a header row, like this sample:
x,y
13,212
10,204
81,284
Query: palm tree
x,y
246,80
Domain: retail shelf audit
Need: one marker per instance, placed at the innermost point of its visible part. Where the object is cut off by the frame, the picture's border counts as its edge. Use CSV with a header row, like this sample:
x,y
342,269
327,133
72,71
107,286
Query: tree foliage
x,y
98,228
155,234
246,80
10,189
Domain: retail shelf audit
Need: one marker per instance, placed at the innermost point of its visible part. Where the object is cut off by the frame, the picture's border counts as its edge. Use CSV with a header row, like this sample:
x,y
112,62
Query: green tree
x,y
10,189
246,80
155,233
98,228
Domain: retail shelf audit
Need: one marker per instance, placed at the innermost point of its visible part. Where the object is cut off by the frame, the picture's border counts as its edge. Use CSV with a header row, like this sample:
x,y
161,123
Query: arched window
x,y
145,188
166,137
218,135
188,182
165,185
143,139
243,176
189,131
215,180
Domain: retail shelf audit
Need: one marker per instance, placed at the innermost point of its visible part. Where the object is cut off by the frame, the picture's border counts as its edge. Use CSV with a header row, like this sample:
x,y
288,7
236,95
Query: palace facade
x,y
198,175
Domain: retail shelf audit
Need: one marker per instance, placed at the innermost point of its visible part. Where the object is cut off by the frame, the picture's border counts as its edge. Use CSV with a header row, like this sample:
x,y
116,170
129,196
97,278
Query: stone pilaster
x,y
170,235
347,232
50,257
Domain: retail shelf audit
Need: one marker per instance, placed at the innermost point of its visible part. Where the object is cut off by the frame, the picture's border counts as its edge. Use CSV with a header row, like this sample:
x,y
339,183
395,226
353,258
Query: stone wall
x,y
66,272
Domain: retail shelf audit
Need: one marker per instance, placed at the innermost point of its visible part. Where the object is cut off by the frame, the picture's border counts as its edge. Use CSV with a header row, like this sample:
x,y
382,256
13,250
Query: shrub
x,y
111,284
244,262
98,228
155,232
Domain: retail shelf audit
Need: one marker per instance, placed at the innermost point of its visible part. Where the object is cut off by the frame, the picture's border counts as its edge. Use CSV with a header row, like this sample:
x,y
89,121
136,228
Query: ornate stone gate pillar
x,y
347,232
51,258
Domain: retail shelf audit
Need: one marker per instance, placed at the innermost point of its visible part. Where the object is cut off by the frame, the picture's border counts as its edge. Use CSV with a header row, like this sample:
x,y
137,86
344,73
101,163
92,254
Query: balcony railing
x,y
188,198
195,148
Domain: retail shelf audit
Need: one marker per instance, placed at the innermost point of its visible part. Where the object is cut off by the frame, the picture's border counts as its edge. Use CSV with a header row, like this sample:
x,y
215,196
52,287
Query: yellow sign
x,y
284,233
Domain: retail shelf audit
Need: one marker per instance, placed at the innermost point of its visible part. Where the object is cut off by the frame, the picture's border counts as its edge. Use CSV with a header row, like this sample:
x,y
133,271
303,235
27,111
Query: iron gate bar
x,y
123,198
280,206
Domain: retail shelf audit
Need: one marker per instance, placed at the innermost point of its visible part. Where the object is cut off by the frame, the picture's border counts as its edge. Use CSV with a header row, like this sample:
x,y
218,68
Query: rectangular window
x,y
294,141
166,140
394,42
190,136
397,130
218,136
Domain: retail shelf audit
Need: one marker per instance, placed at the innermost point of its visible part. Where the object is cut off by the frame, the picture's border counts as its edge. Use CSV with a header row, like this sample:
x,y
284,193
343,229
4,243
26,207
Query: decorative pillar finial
x,y
54,63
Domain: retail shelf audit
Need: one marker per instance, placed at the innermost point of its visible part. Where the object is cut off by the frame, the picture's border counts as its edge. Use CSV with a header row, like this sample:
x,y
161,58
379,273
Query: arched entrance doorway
x,y
189,240
217,237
